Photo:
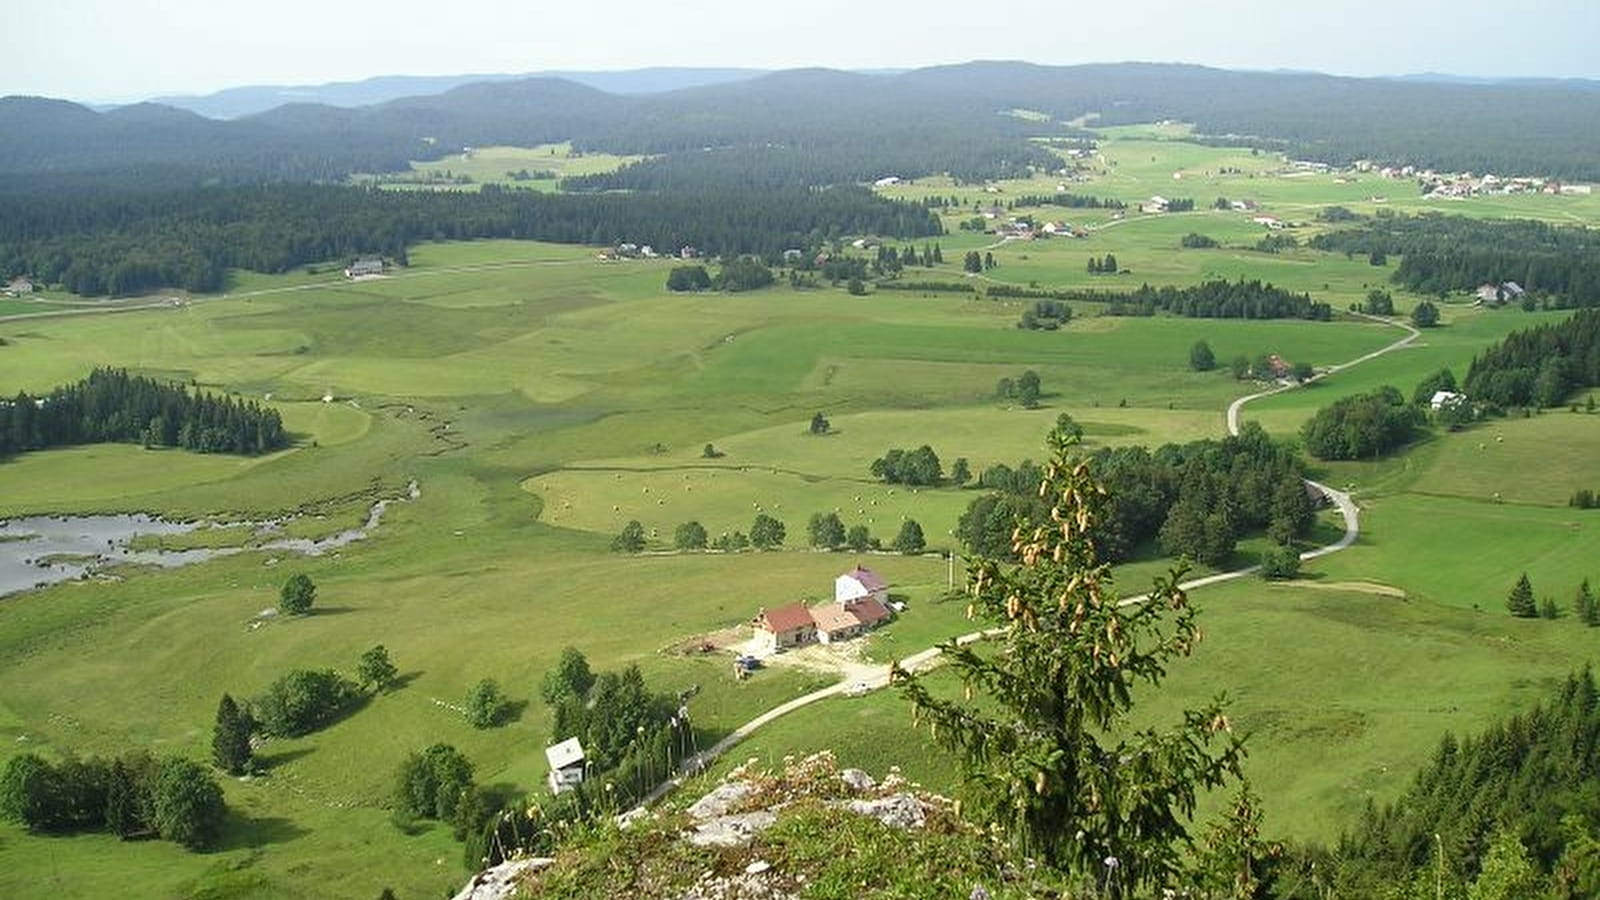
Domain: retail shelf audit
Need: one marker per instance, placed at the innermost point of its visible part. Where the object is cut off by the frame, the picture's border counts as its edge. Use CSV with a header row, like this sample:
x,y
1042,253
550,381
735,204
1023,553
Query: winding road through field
x,y
927,659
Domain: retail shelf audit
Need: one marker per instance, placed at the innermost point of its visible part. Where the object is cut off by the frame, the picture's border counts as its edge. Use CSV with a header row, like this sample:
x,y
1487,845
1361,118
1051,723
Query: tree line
x,y
1217,299
1194,499
1513,804
1363,426
130,242
1444,253
112,406
132,796
1538,366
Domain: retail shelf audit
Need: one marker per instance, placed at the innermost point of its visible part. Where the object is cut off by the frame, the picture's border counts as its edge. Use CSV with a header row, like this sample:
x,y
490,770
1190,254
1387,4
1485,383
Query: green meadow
x,y
540,398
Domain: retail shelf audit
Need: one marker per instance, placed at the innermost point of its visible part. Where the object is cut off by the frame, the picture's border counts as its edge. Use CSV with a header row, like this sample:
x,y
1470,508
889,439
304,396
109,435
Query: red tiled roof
x,y
869,579
831,617
869,611
786,618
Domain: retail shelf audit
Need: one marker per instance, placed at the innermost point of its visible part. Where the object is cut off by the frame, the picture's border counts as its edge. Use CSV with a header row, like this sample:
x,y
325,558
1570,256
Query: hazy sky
x,y
111,50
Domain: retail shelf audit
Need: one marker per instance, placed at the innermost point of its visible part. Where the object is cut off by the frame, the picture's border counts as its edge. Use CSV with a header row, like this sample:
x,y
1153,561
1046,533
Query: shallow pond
x,y
37,551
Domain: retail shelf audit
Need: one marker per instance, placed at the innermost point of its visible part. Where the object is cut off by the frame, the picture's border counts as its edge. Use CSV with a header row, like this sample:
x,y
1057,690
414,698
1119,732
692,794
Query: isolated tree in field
x,y
1520,602
1302,371
571,677
1378,303
188,804
690,535
1049,754
988,261
972,262
1201,359
375,670
766,532
486,706
430,784
1029,389
858,538
1378,258
297,595
710,452
856,287
304,700
230,737
1280,563
1587,608
688,278
826,531
630,539
820,424
1548,609
1110,265
1425,314
960,471
1240,367
910,540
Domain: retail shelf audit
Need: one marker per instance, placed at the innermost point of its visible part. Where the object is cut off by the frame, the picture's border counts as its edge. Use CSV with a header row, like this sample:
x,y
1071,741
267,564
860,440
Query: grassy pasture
x,y
513,379
494,165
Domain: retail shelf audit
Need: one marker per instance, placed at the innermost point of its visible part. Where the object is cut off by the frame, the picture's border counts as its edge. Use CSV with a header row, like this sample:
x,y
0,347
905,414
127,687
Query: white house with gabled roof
x,y
566,761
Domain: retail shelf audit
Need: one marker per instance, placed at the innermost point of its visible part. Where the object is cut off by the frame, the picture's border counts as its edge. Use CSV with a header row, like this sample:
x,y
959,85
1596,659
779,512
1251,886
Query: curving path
x,y
929,658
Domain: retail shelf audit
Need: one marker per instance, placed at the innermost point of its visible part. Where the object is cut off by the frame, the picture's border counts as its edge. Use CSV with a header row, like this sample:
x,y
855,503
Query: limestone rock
x,y
503,881
896,811
734,830
721,801
857,780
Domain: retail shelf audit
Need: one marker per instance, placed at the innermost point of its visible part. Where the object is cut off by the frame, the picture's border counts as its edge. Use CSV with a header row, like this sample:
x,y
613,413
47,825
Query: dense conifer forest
x,y
1217,299
1539,366
130,242
1456,253
113,406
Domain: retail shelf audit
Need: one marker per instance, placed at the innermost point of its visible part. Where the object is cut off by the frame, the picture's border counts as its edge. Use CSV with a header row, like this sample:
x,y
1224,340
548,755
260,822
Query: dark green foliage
x,y
711,452
1548,609
766,533
1292,511
1056,672
1070,201
690,535
1106,265
1044,315
609,718
431,784
230,738
132,796
960,471
1280,562
819,424
1442,380
297,595
1217,299
375,670
735,541
1585,605
746,273
1538,366
630,539
1459,253
486,705
1520,602
571,677
1378,303
1424,314
858,538
919,467
130,242
1195,241
1535,775
113,406
1277,241
1234,861
1302,371
1363,426
303,701
688,278
826,531
188,804
1240,367
909,540
1201,359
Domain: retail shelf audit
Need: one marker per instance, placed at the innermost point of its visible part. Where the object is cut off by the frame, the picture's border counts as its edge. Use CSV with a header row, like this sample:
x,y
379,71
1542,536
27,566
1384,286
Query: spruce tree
x,y
1521,603
1588,609
230,738
1548,610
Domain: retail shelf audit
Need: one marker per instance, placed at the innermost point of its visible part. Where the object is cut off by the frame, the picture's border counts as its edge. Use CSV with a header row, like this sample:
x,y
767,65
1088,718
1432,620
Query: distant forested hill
x,y
945,118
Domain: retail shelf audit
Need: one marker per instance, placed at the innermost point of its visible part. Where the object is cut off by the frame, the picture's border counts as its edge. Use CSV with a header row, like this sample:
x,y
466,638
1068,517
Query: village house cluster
x,y
860,603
